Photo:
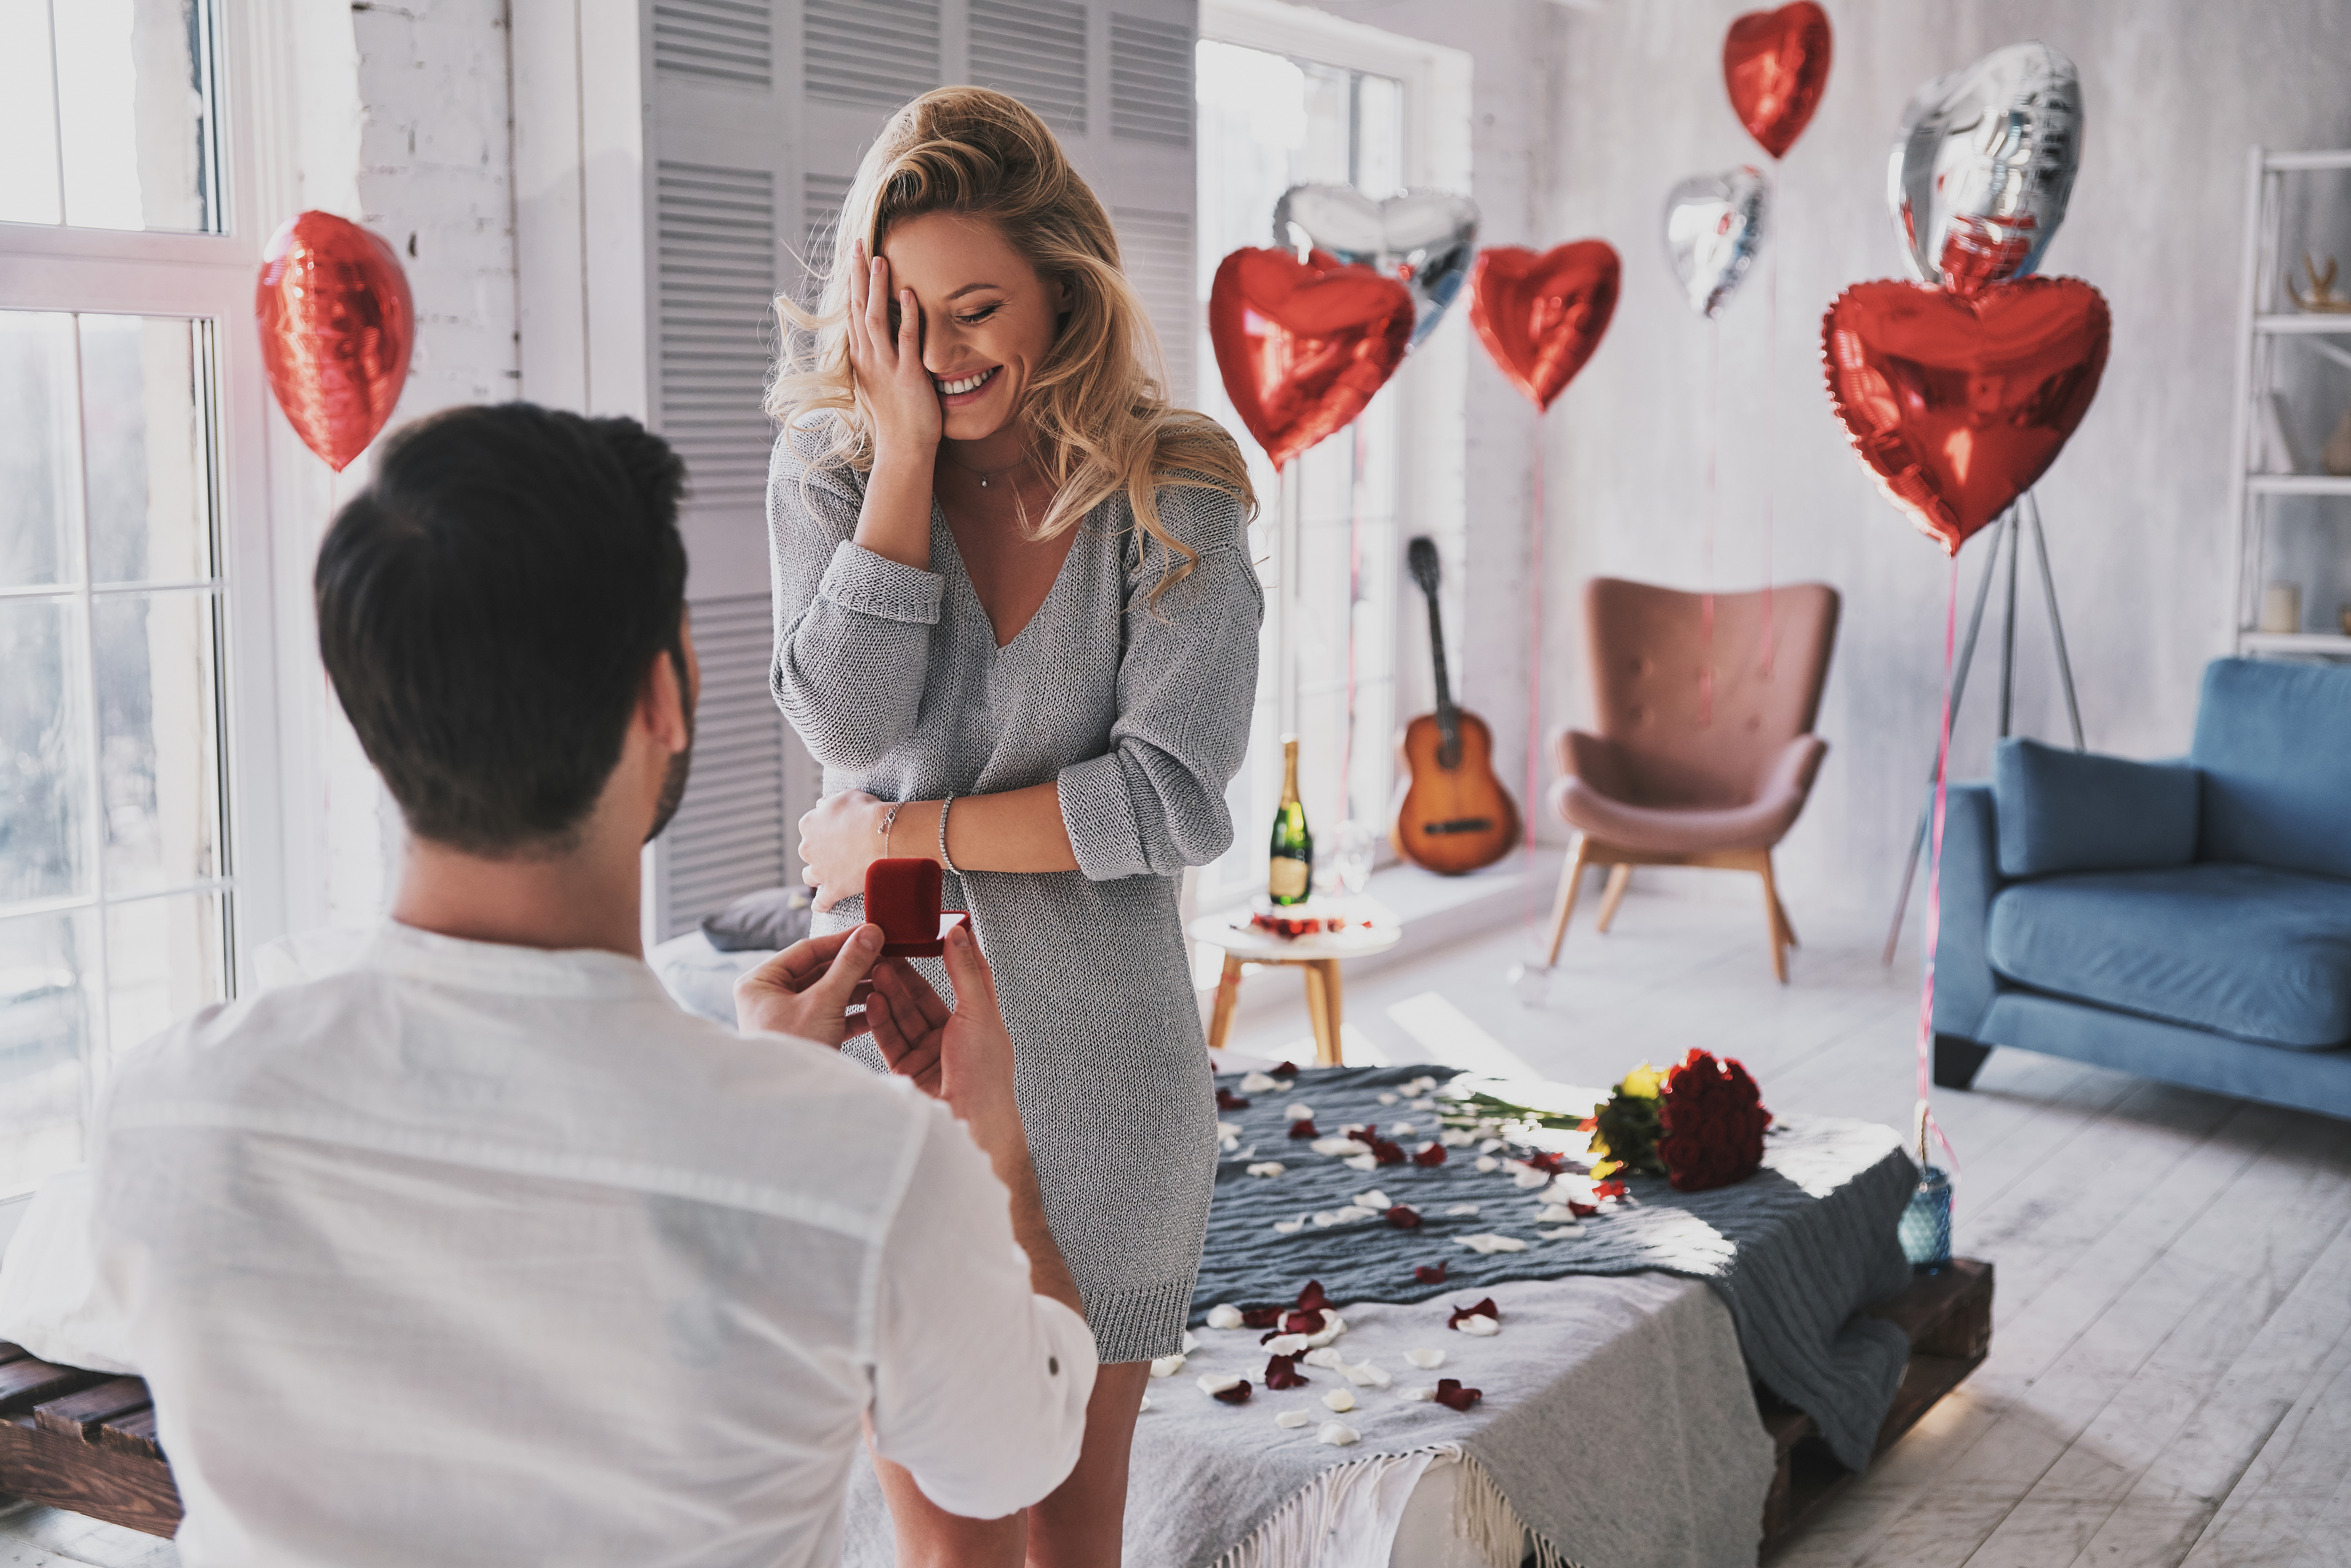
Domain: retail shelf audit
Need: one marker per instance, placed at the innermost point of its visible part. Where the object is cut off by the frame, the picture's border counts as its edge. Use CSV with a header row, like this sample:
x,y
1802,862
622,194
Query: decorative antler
x,y
2322,295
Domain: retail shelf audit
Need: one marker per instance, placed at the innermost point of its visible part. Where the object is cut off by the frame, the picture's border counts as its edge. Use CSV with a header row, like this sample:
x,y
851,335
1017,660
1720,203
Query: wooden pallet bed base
x,y
1947,1314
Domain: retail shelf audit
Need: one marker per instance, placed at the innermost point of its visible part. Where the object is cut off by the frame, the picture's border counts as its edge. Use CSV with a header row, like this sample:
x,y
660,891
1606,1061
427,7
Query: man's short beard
x,y
674,784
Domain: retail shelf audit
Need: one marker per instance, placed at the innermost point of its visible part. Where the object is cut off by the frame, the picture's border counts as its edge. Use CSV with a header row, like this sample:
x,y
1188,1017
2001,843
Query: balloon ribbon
x,y
1926,1122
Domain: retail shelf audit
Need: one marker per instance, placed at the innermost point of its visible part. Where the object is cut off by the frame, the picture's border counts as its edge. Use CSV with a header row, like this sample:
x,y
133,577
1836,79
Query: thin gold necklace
x,y
985,474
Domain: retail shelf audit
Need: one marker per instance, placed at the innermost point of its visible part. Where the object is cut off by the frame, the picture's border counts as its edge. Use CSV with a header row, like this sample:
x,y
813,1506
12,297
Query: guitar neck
x,y
1436,656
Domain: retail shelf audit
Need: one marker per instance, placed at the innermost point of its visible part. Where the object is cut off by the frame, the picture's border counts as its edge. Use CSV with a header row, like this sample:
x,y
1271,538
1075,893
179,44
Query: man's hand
x,y
816,990
963,1056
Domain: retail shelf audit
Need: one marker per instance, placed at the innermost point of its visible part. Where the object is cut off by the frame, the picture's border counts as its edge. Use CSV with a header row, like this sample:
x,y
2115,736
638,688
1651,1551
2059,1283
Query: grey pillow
x,y
2076,810
769,921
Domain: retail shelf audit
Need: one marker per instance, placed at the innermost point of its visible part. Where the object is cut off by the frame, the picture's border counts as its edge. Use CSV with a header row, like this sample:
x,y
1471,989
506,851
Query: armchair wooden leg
x,y
1787,927
1571,879
1620,876
1772,917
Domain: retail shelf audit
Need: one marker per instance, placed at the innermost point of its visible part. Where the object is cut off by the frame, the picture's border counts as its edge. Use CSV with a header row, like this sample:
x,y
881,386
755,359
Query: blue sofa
x,y
2188,920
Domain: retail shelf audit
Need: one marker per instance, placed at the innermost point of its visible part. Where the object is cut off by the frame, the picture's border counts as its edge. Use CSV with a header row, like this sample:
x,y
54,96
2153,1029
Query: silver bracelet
x,y
888,819
946,859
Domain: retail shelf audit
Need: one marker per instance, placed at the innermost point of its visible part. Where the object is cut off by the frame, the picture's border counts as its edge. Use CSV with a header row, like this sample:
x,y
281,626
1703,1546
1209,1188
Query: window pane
x,y
43,779
162,963
28,115
134,107
36,448
45,1029
148,512
158,742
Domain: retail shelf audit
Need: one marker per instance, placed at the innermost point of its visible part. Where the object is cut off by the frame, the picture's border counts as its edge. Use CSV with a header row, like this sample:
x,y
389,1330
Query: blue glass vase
x,y
1926,1227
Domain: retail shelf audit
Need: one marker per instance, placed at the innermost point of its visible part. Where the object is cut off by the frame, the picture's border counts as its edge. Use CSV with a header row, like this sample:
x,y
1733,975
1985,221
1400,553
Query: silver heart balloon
x,y
1714,229
1982,169
1425,239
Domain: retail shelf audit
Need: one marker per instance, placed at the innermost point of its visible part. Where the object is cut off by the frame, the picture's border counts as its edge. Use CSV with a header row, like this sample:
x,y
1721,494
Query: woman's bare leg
x,y
1079,1523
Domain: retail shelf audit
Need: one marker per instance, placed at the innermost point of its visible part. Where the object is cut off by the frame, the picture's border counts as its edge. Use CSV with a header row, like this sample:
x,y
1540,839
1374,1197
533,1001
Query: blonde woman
x,y
1016,623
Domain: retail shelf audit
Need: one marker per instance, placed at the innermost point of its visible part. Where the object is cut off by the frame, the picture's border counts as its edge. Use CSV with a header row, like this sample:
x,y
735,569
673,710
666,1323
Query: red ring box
x,y
902,897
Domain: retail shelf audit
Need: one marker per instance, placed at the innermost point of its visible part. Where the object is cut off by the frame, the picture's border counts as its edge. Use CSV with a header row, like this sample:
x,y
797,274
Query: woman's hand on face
x,y
837,840
897,391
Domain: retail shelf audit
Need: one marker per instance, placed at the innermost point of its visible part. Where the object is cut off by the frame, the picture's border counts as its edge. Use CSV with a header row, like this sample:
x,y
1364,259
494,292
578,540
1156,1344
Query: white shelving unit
x,y
2268,323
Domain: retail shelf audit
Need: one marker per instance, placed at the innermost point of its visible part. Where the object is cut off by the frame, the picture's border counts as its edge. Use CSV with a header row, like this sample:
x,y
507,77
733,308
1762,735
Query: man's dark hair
x,y
488,607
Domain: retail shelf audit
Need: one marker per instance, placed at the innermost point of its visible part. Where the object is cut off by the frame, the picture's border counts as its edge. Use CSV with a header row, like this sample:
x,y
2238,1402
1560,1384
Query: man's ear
x,y
663,703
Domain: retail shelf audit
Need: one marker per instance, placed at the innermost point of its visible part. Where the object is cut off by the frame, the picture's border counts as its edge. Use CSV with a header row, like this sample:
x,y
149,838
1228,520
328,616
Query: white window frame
x,y
268,647
1430,389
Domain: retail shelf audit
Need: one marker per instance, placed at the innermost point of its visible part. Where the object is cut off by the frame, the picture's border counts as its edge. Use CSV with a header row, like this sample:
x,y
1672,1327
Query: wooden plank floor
x,y
2170,1372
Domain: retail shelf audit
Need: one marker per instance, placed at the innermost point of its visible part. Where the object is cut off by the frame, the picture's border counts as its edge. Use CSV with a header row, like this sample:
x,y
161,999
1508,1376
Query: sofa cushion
x,y
2076,810
2273,745
2249,951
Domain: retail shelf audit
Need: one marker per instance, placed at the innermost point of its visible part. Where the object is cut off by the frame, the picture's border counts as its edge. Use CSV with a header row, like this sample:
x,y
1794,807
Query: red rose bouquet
x,y
1712,1119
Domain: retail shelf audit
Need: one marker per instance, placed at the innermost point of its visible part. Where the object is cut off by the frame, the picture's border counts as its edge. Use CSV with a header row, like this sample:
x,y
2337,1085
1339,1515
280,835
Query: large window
x,y
121,287
1278,109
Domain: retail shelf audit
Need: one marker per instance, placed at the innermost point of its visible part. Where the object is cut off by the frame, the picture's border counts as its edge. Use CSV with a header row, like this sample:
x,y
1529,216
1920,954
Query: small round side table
x,y
1317,959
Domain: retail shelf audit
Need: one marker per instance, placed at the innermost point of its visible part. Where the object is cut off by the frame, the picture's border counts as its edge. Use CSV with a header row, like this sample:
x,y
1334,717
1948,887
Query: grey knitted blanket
x,y
1795,1251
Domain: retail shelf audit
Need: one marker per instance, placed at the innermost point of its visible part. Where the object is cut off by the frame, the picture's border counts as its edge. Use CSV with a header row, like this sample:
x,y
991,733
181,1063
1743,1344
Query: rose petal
x,y
1555,1214
1478,1326
1399,1129
1453,1396
1429,1273
1485,1309
1216,1384
1423,1394
1168,1365
1325,1355
1282,1372
1531,1178
1569,1231
1303,1130
1292,1418
1453,1138
1289,1226
1297,1110
1427,1360
1365,1375
1342,1400
1301,1322
1256,1083
1286,1069
1267,1168
1191,1343
1228,1129
1487,1242
1311,1297
1429,1155
1386,1153
1374,1198
1223,1315
1335,1144
1338,1434
1608,1189
1146,1402
1487,1162
1387,1099
1285,1343
1263,1317
1362,1162
1490,1145
1462,1208
1228,1101
1333,1325
1404,1217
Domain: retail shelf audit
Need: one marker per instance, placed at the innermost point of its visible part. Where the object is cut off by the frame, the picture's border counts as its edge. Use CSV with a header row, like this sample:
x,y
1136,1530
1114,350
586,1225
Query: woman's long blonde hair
x,y
1098,413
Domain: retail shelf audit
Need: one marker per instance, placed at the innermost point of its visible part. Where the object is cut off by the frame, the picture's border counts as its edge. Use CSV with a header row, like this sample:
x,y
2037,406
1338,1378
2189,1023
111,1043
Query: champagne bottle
x,y
1291,862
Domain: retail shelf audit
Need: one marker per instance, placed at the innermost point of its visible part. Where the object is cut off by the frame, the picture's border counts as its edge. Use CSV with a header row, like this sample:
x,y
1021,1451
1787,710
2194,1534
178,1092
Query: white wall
x,y
2135,508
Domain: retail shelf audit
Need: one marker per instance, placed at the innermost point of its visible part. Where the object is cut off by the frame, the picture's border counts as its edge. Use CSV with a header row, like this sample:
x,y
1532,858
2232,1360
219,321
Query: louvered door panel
x,y
1150,80
1035,50
734,833
878,53
716,267
1156,251
714,40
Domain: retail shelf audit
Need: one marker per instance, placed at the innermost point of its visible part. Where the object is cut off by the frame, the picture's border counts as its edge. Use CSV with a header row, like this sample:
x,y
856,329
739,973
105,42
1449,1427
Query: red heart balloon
x,y
1542,316
1957,404
1303,347
1776,63
337,325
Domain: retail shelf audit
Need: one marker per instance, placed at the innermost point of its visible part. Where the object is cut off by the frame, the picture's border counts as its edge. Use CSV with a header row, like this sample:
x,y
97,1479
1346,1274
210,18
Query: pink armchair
x,y
1675,777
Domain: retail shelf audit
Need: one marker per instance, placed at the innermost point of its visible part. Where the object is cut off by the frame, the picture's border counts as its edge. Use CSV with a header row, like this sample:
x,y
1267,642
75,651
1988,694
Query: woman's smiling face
x,y
988,320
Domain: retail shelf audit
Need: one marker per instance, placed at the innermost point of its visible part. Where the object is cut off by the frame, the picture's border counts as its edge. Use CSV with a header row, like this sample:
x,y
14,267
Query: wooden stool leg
x,y
1229,996
1620,877
1323,1005
1772,916
1570,880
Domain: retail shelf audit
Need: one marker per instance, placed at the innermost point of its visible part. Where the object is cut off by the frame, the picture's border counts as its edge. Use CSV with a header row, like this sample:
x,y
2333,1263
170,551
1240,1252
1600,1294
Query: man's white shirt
x,y
474,1253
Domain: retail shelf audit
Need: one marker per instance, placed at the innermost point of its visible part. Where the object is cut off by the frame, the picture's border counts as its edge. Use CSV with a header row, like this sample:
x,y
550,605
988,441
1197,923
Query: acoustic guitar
x,y
1456,817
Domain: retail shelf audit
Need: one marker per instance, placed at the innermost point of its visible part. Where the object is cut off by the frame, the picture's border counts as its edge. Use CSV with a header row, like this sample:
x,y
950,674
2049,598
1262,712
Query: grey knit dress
x,y
1141,716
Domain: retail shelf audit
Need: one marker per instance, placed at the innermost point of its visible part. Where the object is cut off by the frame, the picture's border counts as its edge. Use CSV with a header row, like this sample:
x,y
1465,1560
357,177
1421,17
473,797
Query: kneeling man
x,y
482,1252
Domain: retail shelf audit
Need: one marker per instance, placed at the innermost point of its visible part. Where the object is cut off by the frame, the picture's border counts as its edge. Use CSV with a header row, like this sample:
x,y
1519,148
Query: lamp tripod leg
x,y
2056,623
1958,691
